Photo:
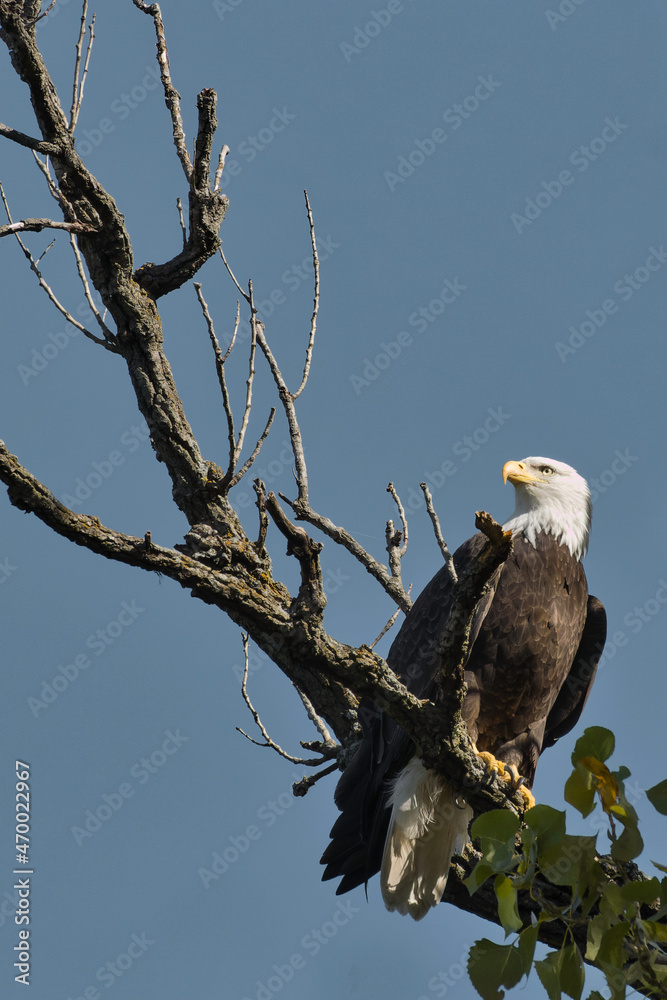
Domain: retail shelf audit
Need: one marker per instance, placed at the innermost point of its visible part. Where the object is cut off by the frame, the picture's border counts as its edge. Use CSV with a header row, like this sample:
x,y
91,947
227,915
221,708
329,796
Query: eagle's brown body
x,y
535,644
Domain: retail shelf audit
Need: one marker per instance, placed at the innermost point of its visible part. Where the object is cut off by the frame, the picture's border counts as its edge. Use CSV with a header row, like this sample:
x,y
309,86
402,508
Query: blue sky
x,y
487,182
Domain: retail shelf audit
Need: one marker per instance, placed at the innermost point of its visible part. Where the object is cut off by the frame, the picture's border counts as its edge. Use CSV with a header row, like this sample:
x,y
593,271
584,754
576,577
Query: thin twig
x,y
232,276
397,541
317,721
260,492
108,335
77,89
54,190
222,381
84,75
179,206
401,513
29,24
312,762
448,557
49,291
301,788
221,166
37,225
238,476
171,96
290,412
316,303
46,148
341,536
311,600
236,330
77,67
388,625
251,375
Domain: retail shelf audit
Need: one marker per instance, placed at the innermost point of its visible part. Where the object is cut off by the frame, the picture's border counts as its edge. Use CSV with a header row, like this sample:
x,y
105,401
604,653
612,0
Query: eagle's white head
x,y
550,496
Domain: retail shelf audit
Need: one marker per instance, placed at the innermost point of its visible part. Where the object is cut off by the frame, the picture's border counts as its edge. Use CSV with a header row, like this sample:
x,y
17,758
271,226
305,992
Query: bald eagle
x,y
536,641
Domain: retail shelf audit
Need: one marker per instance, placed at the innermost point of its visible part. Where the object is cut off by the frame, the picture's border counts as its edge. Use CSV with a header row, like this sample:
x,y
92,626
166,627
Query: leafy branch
x,y
610,913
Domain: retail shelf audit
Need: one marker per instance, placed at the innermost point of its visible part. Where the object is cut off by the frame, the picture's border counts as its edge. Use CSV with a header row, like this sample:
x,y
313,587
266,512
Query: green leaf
x,y
595,996
622,773
595,742
526,946
629,845
662,868
657,796
508,910
572,973
569,861
580,790
498,824
478,876
597,927
497,831
611,950
491,966
547,823
616,979
641,892
616,900
549,977
562,972
655,930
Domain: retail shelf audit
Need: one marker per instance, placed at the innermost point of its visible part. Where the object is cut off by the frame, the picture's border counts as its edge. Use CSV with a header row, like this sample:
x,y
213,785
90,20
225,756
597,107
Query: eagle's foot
x,y
509,774
518,785
494,765
527,796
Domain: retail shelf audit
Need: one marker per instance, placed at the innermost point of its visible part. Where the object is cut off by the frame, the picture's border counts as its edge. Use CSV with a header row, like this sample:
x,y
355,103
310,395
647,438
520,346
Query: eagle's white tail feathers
x,y
426,828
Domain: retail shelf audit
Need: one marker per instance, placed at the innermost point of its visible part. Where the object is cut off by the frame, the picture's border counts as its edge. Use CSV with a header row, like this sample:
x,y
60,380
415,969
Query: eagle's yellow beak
x,y
517,472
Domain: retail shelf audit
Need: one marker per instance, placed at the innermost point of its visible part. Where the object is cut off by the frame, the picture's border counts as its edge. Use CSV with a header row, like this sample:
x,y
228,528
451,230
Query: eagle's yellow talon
x,y
491,762
509,774
527,797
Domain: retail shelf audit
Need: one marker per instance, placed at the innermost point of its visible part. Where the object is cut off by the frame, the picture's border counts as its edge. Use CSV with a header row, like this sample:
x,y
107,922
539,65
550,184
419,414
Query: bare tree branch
x,y
251,376
317,721
179,206
172,98
389,624
269,742
397,541
220,369
301,788
47,148
442,544
207,209
342,537
316,303
108,335
36,19
311,599
54,190
37,225
238,476
47,288
287,400
221,166
260,493
79,84
231,275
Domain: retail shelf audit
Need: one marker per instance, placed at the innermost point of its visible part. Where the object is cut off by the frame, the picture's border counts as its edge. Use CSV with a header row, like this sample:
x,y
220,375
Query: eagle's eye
x,y
546,470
